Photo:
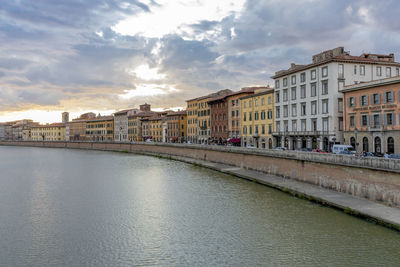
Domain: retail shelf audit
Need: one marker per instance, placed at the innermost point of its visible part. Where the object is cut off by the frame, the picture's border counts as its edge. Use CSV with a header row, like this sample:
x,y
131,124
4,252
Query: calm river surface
x,y
62,207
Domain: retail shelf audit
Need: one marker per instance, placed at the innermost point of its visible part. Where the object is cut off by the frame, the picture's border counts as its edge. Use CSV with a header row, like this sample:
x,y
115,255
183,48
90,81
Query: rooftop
x,y
339,55
371,84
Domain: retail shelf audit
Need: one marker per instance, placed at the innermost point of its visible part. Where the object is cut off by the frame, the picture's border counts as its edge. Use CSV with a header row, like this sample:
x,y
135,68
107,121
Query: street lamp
x,y
355,133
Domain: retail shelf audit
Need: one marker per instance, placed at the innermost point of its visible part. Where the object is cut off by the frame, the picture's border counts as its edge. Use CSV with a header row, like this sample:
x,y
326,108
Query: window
x,y
325,106
313,124
250,129
313,107
263,115
262,101
263,129
250,116
376,120
278,126
388,97
397,71
294,110
293,93
364,100
303,91
256,129
244,130
269,100
376,99
256,102
303,109
362,70
313,89
378,71
285,126
269,114
325,72
277,100
245,104
284,82
355,69
388,72
303,125
341,71
340,104
277,112
351,121
352,101
285,111
244,116
277,84
256,116
389,119
269,128
250,103
303,77
294,125
364,120
325,124
285,95
313,74
324,88
293,79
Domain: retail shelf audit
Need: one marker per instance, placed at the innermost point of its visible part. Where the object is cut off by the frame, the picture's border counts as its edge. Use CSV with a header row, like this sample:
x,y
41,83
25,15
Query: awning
x,y
234,140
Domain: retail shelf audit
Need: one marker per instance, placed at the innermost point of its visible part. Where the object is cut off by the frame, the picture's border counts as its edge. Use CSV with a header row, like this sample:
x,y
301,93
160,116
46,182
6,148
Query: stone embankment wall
x,y
376,179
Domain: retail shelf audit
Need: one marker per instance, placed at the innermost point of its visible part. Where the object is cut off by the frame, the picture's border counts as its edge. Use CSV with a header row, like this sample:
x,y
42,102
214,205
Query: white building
x,y
2,132
308,101
121,124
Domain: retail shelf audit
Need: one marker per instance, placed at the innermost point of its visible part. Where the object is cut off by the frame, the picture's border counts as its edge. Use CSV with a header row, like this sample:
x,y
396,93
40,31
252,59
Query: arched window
x,y
377,145
270,143
390,145
365,144
353,142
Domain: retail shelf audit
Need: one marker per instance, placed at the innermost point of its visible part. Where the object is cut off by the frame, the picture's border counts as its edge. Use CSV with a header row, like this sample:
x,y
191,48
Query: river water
x,y
62,207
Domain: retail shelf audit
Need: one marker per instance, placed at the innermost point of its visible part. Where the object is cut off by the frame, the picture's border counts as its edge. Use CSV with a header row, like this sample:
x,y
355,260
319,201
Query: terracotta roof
x,y
182,112
50,125
260,93
143,114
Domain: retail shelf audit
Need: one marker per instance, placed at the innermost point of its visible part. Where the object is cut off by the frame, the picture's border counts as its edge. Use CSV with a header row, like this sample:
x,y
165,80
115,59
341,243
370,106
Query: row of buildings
x,y
336,99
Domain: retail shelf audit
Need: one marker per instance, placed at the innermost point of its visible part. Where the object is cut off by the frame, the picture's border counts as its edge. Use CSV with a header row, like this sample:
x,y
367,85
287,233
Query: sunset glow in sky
x,y
107,55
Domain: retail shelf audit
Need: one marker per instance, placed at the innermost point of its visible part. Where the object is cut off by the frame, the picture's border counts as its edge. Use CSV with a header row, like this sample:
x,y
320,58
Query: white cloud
x,y
172,16
145,73
143,90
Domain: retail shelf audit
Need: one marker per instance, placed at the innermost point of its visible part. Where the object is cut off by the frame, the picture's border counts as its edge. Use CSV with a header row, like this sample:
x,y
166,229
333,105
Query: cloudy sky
x,y
106,55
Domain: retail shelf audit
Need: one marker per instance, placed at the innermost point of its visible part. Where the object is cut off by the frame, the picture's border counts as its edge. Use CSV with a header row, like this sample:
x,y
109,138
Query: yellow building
x,y
48,132
135,127
182,122
257,119
192,127
199,119
100,129
155,128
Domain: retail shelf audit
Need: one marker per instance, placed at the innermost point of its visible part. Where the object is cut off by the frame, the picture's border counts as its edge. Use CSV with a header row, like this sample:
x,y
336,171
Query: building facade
x,y
2,132
176,127
121,124
219,119
372,116
309,101
257,118
233,100
155,128
100,129
192,126
48,132
135,128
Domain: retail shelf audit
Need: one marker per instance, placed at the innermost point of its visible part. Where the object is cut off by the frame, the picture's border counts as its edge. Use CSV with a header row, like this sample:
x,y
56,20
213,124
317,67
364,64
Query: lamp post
x,y
355,133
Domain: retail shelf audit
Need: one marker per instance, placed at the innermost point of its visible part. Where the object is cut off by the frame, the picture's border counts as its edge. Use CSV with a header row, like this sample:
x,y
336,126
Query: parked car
x,y
317,150
346,152
369,154
337,149
394,156
250,146
304,149
279,148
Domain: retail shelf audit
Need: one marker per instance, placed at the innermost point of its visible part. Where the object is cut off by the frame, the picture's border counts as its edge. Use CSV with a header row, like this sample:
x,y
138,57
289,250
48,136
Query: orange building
x,y
372,116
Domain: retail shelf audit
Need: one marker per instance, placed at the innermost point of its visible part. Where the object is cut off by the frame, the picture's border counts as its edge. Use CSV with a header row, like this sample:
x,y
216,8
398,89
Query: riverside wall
x,y
376,179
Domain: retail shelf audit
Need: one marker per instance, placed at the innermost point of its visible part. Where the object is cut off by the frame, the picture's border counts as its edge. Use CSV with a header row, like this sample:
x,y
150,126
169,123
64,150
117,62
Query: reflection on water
x,y
86,208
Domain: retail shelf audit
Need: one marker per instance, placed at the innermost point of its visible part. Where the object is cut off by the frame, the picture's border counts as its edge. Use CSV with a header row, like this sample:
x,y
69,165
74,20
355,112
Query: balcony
x,y
303,133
